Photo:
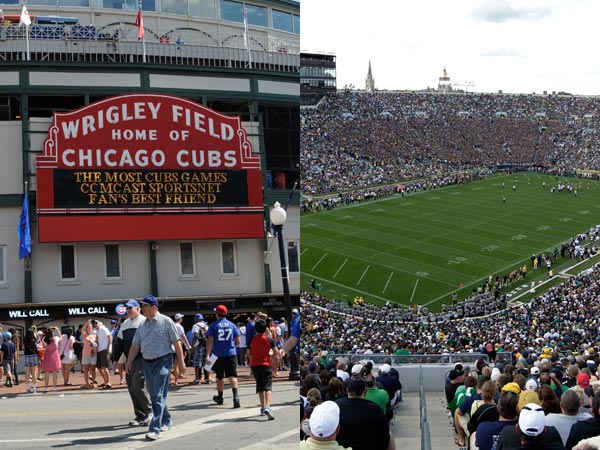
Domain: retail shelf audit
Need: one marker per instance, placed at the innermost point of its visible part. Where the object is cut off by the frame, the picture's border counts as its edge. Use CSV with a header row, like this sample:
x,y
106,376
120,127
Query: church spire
x,y
369,82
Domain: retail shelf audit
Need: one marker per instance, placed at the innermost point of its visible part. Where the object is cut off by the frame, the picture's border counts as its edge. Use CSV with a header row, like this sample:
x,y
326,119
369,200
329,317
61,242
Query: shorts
x,y
199,355
102,359
8,367
88,360
225,366
32,360
264,378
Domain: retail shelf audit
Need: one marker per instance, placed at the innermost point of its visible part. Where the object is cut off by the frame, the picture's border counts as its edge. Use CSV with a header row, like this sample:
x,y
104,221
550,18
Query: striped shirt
x,y
156,337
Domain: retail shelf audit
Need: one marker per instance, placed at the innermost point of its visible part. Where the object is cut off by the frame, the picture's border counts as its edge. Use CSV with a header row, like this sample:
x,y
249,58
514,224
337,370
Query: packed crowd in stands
x,y
358,140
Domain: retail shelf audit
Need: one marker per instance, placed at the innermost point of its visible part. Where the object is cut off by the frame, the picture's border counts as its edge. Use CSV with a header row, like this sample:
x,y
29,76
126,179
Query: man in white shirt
x,y
104,339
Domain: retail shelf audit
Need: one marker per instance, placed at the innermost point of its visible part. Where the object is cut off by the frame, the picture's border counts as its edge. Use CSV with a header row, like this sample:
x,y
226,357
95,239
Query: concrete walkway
x,y
406,425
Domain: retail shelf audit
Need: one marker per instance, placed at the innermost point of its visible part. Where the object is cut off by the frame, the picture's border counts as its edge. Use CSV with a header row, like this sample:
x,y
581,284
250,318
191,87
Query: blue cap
x,y
7,335
199,316
133,302
276,321
149,300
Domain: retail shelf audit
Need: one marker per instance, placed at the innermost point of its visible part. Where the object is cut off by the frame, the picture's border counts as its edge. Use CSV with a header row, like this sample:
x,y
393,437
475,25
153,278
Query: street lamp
x,y
278,217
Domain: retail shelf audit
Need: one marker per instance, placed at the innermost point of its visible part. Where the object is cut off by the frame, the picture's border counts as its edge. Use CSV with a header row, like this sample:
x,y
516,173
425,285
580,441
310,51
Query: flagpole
x,y
27,39
143,39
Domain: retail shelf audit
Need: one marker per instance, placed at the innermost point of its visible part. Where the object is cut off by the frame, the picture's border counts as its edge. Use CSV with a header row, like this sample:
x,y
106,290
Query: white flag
x,y
25,19
246,39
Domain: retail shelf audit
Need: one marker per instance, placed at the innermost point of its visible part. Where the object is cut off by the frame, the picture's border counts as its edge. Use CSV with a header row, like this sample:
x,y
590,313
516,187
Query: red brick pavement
x,y
76,378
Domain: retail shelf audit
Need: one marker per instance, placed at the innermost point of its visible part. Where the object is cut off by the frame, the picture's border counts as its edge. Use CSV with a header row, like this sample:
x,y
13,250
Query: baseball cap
x,y
8,335
534,371
149,300
584,380
356,369
113,321
178,316
512,387
324,419
532,420
295,311
133,302
199,316
531,385
385,368
221,310
312,366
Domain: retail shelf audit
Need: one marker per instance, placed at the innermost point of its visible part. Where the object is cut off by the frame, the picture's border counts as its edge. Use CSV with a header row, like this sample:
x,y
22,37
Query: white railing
x,y
119,43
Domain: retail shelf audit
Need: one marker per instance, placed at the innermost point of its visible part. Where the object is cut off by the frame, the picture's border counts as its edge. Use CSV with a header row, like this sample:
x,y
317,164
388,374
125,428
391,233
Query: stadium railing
x,y
119,43
425,434
446,358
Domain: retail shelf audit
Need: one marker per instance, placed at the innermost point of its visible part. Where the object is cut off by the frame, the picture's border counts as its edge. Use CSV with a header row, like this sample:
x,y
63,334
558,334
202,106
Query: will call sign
x,y
136,160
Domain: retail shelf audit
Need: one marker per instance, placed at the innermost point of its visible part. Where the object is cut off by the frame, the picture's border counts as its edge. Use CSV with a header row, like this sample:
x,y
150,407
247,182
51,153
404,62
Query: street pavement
x,y
77,418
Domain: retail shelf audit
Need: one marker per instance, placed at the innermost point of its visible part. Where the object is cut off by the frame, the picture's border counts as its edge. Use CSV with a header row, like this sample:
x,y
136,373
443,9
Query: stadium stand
x,y
357,140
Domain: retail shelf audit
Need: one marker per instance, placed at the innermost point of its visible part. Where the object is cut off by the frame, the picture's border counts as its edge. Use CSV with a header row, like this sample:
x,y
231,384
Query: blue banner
x,y
24,232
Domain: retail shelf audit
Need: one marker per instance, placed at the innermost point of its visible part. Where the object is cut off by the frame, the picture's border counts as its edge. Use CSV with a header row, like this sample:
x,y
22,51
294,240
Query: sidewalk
x,y
76,378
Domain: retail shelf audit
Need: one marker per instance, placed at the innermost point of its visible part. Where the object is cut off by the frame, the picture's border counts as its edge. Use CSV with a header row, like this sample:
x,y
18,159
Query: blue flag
x,y
24,232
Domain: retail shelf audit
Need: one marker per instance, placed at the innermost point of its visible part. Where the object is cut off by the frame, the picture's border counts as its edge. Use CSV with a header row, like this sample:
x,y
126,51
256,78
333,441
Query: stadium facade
x,y
151,162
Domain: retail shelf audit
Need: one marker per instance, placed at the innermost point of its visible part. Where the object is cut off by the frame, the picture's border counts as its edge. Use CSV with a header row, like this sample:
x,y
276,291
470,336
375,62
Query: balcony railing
x,y
119,44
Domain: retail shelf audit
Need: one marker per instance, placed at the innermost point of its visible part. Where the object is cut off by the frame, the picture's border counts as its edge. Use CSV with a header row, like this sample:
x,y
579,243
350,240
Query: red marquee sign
x,y
148,167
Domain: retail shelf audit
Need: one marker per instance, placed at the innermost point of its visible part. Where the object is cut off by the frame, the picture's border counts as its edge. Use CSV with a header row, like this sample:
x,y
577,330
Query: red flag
x,y
139,21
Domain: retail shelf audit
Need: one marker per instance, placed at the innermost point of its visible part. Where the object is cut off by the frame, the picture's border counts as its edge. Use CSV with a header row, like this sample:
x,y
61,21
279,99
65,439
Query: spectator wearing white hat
x,y
324,426
530,432
185,345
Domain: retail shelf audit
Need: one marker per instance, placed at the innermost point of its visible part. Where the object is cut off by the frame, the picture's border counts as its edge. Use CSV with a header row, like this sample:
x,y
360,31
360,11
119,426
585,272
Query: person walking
x,y
223,336
199,349
7,357
155,339
104,339
262,370
136,384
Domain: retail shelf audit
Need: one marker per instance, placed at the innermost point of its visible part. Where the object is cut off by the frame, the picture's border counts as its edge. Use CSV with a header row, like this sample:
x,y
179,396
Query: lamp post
x,y
278,217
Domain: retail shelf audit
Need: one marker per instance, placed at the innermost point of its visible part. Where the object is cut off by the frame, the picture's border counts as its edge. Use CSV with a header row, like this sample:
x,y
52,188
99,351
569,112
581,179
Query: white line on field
x,y
319,261
388,282
338,271
414,290
362,276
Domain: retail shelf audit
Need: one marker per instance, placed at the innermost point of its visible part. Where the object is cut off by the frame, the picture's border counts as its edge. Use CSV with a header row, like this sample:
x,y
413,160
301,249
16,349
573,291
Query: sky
x,y
517,46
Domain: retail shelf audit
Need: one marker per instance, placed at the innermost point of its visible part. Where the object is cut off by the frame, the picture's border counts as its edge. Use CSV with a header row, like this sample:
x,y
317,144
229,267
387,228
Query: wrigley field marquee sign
x,y
147,167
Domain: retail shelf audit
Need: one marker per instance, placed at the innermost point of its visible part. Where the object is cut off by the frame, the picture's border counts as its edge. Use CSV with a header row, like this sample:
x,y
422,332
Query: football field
x,y
420,248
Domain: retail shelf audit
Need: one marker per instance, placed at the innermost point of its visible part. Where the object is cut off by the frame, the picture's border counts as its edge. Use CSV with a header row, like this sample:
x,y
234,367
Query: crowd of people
x,y
356,140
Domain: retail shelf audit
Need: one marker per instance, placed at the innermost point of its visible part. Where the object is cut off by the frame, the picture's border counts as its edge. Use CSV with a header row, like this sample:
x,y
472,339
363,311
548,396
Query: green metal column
x,y
25,144
153,270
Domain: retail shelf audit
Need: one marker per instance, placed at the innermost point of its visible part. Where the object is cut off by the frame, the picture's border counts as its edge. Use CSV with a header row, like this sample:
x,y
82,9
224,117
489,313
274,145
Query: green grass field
x,y
420,248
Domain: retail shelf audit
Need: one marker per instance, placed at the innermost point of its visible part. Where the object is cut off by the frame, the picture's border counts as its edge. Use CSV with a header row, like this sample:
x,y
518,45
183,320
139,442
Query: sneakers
x,y
34,390
166,427
152,436
269,413
236,403
262,411
218,400
141,422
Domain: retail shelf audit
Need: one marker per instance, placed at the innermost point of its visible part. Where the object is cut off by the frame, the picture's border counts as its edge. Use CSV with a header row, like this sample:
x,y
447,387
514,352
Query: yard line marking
x,y
303,251
362,276
414,290
338,271
388,282
319,261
